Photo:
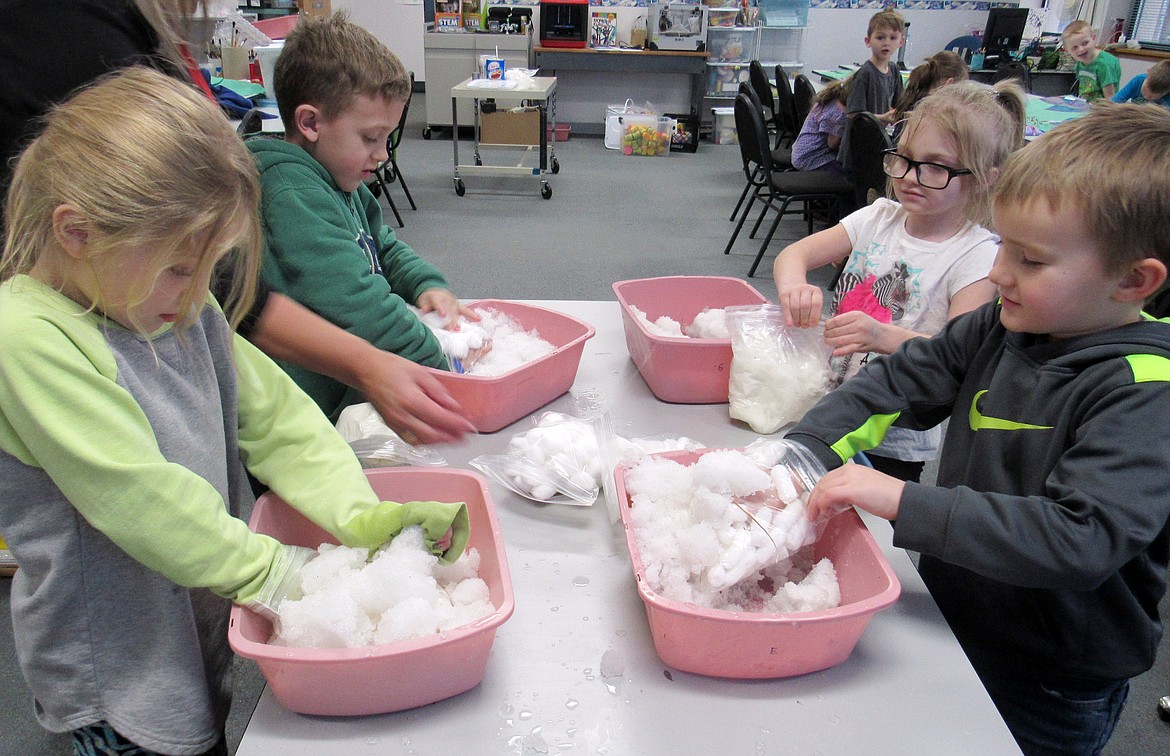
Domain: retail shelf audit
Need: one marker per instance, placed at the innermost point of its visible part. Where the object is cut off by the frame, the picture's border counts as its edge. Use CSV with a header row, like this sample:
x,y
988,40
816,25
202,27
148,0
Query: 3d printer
x,y
677,26
564,23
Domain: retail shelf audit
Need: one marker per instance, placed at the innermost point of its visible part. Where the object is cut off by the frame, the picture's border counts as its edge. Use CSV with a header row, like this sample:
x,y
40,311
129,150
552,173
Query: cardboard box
x,y
315,7
506,127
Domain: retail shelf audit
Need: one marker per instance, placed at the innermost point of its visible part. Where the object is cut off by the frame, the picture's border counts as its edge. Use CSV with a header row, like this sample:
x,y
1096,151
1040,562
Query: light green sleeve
x,y
292,447
63,411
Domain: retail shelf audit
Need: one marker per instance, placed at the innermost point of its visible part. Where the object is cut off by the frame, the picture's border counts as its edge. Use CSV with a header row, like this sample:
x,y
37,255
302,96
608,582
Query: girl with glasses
x,y
912,264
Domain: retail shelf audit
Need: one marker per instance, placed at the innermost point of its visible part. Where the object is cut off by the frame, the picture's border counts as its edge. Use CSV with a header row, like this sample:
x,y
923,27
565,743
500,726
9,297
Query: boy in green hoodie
x,y
340,94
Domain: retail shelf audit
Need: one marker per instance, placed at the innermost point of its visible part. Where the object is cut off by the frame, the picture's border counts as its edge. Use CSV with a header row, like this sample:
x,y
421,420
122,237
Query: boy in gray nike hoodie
x,y
1046,540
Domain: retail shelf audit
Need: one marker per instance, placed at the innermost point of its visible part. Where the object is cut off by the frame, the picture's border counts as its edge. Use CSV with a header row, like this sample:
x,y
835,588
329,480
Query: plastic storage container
x,y
396,676
724,131
747,645
646,135
492,402
682,370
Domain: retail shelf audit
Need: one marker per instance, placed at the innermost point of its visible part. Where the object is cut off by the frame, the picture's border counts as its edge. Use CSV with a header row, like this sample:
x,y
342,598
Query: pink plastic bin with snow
x,y
754,645
396,676
492,402
681,370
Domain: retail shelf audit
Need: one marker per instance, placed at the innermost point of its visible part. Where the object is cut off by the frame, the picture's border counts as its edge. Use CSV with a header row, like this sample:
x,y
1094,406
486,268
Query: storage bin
x,y
562,133
723,79
746,645
721,17
492,402
681,370
731,44
396,676
724,131
646,135
685,137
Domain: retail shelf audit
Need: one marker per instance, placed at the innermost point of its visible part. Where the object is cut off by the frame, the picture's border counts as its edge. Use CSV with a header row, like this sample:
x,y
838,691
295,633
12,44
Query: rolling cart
x,y
539,91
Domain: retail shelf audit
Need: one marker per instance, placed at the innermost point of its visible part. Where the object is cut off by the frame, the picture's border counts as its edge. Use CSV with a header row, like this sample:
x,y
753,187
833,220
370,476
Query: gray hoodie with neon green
x,y
1046,541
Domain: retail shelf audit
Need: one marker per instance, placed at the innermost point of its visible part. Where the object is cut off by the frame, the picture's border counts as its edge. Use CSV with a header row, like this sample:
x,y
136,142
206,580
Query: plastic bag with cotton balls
x,y
557,461
765,496
778,372
376,445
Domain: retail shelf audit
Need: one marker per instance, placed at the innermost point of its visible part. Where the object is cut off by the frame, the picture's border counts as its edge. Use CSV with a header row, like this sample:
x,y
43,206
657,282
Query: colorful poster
x,y
603,30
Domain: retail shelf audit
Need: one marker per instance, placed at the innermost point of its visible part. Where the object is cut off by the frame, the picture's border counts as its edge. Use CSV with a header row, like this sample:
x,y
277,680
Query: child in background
x,y
1098,72
1045,541
912,265
815,148
1151,86
941,68
341,93
877,84
130,415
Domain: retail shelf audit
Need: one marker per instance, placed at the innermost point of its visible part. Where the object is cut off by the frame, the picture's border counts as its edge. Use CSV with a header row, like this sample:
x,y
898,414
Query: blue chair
x,y
964,46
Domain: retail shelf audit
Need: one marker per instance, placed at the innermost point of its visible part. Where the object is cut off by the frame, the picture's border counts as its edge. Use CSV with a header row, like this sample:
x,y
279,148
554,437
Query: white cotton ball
x,y
583,479
782,480
543,492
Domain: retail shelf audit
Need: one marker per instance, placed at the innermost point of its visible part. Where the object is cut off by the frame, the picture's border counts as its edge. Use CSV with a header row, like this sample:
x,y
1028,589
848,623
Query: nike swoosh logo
x,y
978,421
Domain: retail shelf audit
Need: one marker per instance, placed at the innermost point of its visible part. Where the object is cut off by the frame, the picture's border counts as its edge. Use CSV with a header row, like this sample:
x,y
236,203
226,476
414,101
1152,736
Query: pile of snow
x,y
724,533
509,345
401,593
708,324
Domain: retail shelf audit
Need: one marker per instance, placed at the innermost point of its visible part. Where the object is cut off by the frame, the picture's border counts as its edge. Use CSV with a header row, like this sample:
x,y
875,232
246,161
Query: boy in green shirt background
x,y
1098,72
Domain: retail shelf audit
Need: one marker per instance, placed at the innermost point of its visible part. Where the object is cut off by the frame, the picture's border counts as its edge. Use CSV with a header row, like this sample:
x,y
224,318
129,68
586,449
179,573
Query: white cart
x,y
535,160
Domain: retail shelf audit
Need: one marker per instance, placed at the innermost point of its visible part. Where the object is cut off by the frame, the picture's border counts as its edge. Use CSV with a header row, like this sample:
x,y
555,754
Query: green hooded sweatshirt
x,y
330,251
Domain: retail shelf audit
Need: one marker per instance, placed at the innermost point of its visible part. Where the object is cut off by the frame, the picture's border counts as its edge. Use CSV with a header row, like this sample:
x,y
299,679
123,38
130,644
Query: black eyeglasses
x,y
930,175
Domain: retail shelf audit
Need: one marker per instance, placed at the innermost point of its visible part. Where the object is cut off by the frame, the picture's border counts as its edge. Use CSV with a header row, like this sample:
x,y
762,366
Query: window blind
x,y
1151,27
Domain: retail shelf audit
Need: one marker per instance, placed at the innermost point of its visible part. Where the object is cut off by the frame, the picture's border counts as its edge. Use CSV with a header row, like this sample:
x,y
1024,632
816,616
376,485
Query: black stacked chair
x,y
868,142
786,101
803,93
776,114
781,156
389,172
779,190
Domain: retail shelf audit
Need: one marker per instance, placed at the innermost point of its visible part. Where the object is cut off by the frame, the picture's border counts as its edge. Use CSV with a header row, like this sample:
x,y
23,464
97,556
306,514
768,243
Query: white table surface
x,y
906,689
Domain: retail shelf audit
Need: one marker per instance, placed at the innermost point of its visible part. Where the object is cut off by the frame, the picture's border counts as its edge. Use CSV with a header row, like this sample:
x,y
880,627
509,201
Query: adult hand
x,y
855,331
857,486
411,400
802,305
446,304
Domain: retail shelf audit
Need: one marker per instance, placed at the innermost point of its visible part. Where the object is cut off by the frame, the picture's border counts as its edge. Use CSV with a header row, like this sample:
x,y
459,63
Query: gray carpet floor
x,y
611,217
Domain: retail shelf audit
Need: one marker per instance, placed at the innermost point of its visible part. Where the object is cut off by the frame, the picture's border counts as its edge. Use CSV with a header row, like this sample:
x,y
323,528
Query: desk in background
x,y
552,60
1045,83
907,687
1045,113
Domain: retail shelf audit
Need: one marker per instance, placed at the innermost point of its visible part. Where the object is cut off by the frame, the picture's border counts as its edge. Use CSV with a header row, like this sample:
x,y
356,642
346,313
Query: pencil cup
x,y
235,63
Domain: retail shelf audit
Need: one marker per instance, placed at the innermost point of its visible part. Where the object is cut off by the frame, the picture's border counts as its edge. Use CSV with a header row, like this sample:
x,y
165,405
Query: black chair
x,y
868,141
1014,69
776,113
803,93
389,172
786,101
777,190
781,156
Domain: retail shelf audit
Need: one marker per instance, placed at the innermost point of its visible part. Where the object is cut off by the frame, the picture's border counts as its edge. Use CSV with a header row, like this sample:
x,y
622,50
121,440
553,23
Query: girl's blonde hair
x,y
838,91
149,163
927,76
986,124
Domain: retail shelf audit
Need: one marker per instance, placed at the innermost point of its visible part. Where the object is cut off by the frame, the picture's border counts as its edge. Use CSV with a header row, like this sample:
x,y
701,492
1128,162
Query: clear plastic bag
x,y
777,372
376,445
557,461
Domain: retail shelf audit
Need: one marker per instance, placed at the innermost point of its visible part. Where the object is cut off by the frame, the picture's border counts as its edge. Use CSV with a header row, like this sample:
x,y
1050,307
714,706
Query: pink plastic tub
x,y
753,645
491,403
396,676
682,370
